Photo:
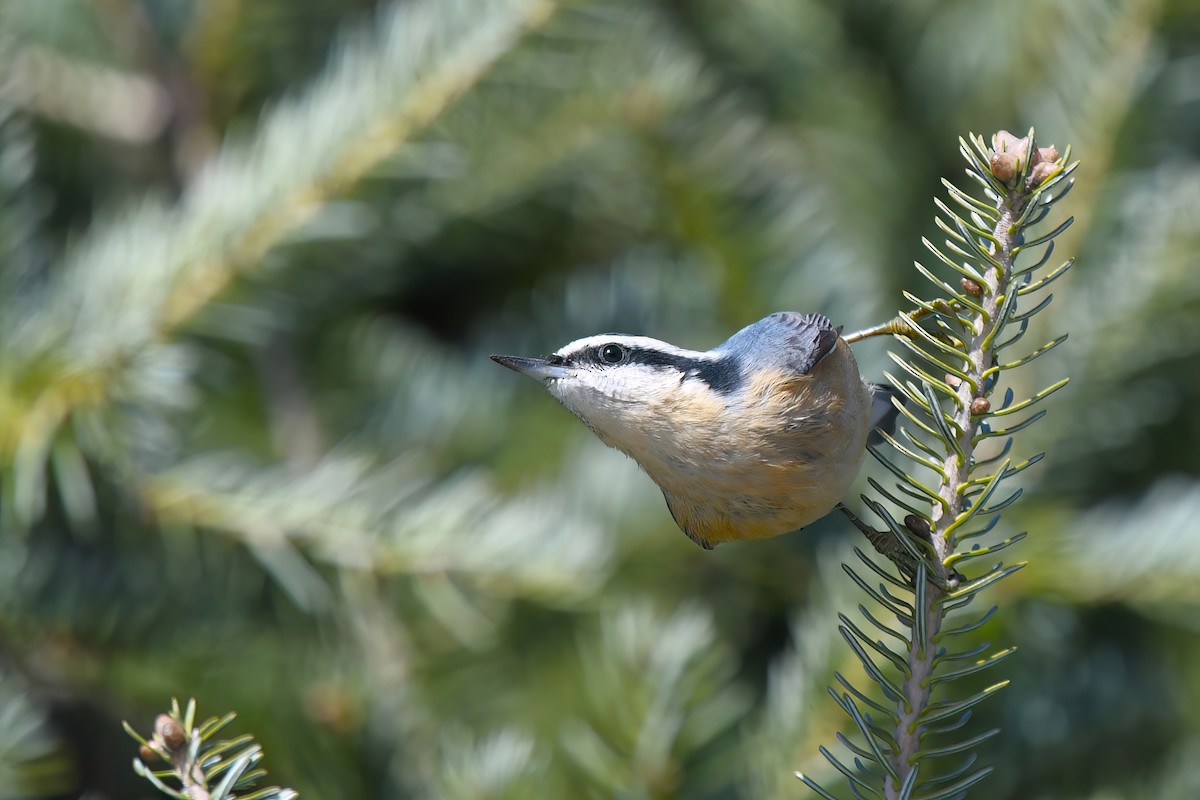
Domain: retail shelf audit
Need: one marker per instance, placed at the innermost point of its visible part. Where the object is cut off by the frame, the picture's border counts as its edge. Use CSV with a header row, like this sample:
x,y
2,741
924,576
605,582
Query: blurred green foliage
x,y
253,256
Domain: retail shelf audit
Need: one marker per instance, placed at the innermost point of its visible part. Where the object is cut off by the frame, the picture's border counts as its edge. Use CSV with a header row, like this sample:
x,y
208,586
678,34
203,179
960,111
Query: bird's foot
x,y
886,544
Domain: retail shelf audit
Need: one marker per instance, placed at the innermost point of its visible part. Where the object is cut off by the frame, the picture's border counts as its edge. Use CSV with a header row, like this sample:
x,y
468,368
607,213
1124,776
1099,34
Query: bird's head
x,y
624,387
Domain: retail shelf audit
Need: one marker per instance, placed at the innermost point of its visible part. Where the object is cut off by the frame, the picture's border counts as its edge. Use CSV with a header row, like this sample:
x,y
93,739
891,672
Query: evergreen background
x,y
253,450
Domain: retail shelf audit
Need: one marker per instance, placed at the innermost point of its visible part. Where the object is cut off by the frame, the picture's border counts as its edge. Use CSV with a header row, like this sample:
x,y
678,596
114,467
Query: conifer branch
x,y
392,519
951,369
203,767
161,265
33,762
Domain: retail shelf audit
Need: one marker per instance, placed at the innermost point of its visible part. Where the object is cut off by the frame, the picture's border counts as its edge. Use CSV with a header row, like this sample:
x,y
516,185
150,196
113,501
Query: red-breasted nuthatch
x,y
759,436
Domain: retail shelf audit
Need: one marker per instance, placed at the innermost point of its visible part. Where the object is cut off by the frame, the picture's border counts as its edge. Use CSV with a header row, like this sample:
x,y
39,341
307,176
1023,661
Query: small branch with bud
x,y
204,768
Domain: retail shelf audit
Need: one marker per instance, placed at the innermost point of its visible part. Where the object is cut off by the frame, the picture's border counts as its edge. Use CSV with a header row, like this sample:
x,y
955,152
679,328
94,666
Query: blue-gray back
x,y
785,340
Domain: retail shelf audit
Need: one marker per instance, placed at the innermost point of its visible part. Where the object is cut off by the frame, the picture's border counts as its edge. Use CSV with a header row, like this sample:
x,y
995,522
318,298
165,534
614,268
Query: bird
x,y
757,437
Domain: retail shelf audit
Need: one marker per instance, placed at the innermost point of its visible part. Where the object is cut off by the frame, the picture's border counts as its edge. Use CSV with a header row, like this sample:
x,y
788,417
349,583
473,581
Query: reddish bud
x,y
1004,166
1039,174
971,287
980,405
1005,142
1046,155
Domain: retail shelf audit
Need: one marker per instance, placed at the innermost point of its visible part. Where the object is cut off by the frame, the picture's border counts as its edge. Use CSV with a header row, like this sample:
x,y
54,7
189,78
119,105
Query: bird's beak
x,y
537,368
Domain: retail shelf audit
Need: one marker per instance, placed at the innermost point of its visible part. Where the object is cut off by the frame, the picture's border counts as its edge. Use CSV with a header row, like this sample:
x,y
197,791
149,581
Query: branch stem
x,y
956,468
899,326
893,327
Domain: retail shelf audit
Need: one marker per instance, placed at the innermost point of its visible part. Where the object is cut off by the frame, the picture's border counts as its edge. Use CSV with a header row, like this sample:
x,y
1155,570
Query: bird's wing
x,y
811,338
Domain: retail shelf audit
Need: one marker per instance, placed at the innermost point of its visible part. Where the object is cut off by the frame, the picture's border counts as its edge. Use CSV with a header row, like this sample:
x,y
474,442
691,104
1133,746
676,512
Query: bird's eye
x,y
612,354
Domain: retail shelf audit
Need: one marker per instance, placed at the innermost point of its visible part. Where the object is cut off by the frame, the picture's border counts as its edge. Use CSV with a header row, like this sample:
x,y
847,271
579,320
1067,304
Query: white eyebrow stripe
x,y
640,342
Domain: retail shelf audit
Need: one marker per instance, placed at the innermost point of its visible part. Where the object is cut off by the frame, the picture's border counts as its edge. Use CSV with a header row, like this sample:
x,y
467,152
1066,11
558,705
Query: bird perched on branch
x,y
759,436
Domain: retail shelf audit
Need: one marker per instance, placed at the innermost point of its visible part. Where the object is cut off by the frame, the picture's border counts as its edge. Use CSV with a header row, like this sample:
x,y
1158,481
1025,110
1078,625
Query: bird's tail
x,y
883,411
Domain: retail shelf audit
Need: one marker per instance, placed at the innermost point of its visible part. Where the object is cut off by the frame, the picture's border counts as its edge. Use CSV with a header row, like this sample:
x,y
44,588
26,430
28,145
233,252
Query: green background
x,y
254,452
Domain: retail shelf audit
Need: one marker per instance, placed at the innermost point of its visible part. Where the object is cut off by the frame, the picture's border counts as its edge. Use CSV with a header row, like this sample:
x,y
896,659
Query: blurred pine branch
x,y
32,762
391,519
131,281
1157,576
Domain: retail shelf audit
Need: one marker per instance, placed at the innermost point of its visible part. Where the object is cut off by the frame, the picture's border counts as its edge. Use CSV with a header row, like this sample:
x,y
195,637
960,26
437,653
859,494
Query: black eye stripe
x,y
722,375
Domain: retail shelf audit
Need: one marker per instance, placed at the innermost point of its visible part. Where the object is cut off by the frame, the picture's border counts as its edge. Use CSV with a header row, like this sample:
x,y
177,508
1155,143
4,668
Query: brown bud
x,y
1004,166
980,405
147,753
917,525
1039,174
971,287
170,731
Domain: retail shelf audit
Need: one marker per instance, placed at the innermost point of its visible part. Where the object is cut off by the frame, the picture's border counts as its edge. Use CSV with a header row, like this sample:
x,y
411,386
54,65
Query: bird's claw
x,y
885,544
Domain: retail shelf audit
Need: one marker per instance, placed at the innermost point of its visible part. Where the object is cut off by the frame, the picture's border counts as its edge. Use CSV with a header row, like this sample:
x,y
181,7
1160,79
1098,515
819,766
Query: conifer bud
x,y
169,731
918,526
980,405
1005,142
1047,155
1008,155
1039,174
1004,166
